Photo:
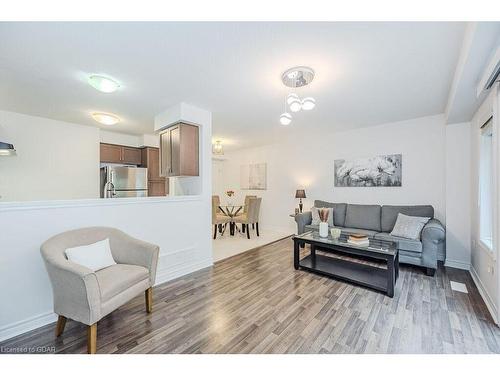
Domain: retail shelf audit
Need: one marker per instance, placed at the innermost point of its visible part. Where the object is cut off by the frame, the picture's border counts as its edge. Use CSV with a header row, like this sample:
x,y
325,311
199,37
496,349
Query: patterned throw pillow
x,y
409,226
315,216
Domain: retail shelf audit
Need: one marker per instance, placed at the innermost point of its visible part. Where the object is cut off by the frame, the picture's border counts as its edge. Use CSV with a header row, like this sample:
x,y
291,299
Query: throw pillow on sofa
x,y
409,226
315,216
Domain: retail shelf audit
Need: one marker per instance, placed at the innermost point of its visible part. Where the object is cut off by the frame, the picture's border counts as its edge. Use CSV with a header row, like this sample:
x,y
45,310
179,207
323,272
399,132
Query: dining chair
x,y
251,216
218,218
245,209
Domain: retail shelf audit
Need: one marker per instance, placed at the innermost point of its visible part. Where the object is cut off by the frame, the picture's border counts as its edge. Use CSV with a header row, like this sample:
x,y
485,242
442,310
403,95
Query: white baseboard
x,y
457,264
484,294
26,325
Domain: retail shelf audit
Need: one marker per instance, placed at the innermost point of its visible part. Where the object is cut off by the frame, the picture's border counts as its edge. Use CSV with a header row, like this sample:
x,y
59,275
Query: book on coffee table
x,y
358,239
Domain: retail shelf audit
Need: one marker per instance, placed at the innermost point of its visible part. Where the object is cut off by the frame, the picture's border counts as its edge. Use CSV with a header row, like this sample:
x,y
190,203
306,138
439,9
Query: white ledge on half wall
x,y
38,205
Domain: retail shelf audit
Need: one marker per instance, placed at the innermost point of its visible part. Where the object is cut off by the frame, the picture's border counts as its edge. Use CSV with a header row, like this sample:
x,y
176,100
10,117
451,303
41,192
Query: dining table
x,y
231,210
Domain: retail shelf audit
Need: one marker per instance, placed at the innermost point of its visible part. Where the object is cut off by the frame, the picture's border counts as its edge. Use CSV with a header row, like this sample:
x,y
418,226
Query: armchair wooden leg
x,y
92,339
61,323
248,231
257,228
149,299
215,231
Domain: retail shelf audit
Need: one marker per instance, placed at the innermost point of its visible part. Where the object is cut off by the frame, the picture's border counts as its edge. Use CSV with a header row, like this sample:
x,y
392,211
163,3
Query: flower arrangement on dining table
x,y
230,194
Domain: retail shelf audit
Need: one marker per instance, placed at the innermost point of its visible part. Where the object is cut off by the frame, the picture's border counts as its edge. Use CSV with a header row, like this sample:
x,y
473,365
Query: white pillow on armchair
x,y
95,256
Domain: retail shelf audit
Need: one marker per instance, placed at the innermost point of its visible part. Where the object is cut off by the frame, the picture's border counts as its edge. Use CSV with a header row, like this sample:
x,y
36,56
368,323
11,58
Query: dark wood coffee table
x,y
351,269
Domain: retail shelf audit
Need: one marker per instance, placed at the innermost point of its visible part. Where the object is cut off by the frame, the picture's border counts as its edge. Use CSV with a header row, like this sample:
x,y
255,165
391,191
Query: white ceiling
x,y
366,73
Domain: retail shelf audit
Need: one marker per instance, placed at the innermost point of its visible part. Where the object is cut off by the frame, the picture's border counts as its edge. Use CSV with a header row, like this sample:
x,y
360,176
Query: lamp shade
x,y
300,194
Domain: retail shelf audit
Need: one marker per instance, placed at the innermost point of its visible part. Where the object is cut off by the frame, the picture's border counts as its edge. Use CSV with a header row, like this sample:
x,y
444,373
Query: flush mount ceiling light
x,y
298,76
217,148
103,84
6,149
308,103
285,118
106,118
294,102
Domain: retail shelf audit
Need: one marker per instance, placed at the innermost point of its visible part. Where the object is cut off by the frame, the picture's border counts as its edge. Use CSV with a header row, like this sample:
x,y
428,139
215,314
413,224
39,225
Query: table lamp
x,y
300,194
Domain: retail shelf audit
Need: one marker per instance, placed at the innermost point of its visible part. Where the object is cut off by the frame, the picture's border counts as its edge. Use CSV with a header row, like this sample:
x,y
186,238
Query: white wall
x,y
308,163
55,159
133,140
484,264
179,225
458,192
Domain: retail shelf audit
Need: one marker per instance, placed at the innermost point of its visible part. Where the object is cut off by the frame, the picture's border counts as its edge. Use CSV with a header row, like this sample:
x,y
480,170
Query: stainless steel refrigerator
x,y
121,182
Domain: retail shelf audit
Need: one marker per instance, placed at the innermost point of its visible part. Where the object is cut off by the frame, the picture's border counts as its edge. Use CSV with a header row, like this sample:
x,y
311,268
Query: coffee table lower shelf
x,y
361,274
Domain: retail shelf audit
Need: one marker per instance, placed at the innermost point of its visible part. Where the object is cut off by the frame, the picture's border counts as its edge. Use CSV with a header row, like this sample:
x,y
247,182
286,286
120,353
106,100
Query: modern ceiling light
x,y
298,76
7,149
294,102
217,148
103,84
308,103
285,118
106,118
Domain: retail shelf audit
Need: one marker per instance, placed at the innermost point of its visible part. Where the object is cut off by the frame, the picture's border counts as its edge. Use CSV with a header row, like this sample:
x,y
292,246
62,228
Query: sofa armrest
x,y
303,219
130,250
433,231
433,236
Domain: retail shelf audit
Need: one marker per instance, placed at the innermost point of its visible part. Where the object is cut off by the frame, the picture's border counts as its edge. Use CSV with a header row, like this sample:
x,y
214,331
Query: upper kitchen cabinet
x,y
179,150
120,154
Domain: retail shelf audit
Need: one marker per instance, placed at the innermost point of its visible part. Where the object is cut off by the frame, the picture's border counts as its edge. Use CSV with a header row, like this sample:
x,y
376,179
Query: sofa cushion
x,y
338,211
390,214
409,226
118,278
406,244
363,216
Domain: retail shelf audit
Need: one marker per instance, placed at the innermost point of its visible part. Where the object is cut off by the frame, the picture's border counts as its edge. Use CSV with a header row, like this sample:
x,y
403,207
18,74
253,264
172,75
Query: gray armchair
x,y
86,296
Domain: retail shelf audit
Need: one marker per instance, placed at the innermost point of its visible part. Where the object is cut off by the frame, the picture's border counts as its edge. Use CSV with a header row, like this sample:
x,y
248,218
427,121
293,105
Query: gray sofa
x,y
377,222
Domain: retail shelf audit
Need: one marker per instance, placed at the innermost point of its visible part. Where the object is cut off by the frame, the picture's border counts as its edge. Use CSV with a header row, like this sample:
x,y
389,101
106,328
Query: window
x,y
486,186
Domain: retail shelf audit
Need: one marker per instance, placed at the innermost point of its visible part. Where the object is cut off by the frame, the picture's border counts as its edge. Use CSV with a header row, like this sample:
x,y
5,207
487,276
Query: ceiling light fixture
x,y
7,149
106,118
298,76
103,84
285,118
308,103
217,148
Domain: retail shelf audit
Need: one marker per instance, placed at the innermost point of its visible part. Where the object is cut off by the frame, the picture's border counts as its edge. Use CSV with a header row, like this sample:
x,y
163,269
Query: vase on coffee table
x,y
323,229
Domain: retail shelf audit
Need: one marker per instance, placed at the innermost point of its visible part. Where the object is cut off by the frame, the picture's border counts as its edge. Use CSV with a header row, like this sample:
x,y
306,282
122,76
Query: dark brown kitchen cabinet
x,y
157,185
120,154
179,151
157,188
111,153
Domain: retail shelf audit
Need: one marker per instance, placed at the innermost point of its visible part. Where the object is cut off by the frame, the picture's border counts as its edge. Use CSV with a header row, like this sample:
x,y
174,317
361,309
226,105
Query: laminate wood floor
x,y
256,302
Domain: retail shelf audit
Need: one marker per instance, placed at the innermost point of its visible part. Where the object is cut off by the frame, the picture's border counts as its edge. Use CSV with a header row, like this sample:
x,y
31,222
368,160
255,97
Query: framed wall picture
x,y
377,171
253,176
